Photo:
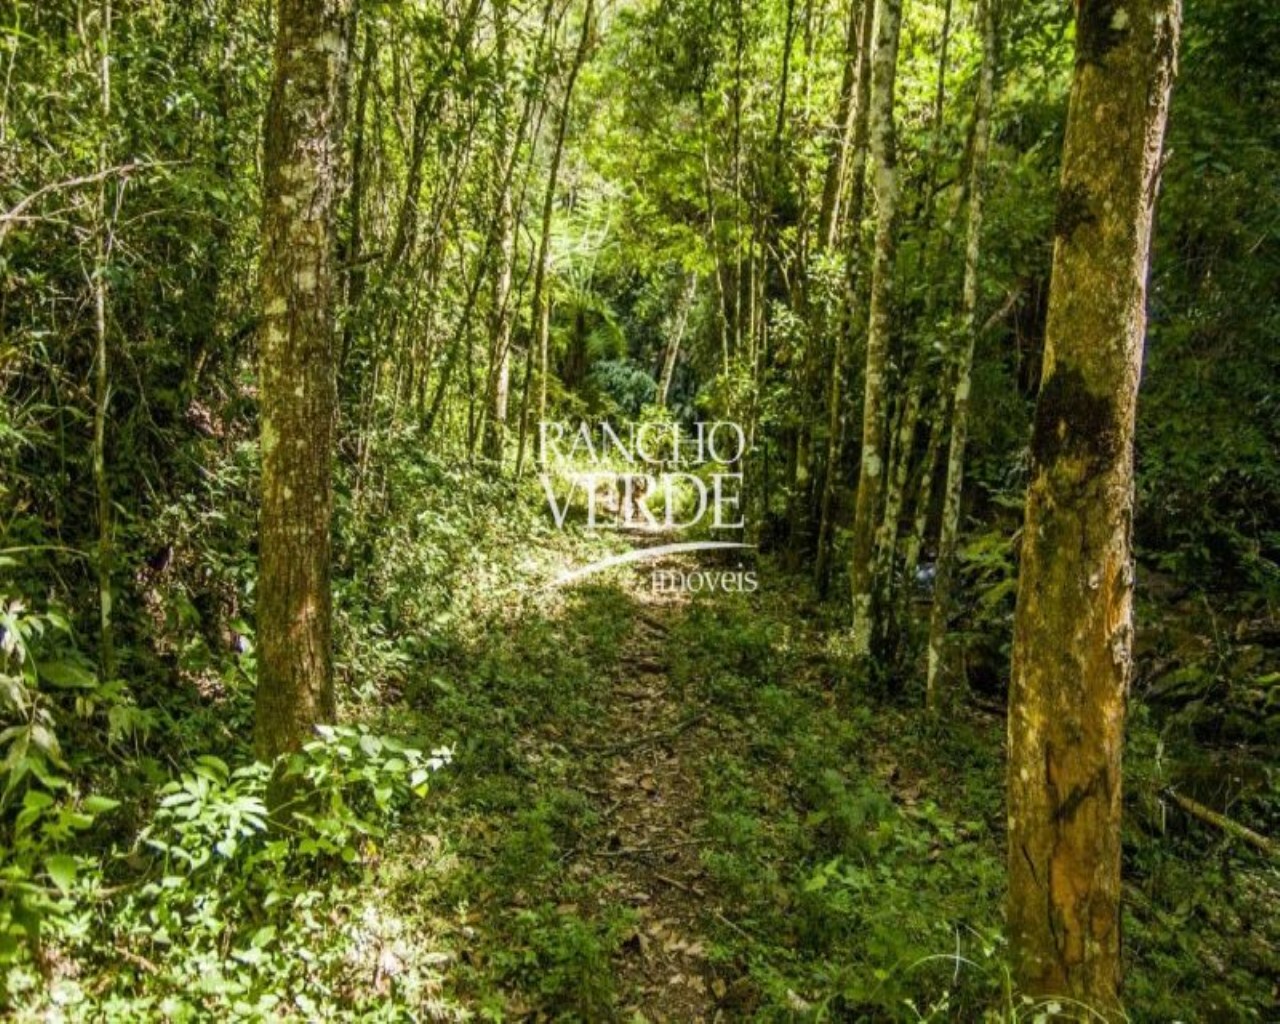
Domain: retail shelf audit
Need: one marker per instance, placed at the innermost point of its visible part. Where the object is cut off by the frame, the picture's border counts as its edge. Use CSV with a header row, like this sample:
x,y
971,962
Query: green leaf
x,y
66,675
96,804
62,870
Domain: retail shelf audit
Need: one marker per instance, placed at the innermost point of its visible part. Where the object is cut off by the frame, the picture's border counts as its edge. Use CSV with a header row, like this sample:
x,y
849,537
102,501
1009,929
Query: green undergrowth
x,y
850,850
528,929
162,891
855,849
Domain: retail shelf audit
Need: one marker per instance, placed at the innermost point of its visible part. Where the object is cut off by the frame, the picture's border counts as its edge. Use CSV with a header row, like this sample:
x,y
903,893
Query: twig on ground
x,y
742,932
636,851
650,738
675,883
137,959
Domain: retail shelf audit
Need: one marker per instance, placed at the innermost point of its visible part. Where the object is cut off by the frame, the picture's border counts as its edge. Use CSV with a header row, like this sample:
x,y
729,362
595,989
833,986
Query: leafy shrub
x,y
44,686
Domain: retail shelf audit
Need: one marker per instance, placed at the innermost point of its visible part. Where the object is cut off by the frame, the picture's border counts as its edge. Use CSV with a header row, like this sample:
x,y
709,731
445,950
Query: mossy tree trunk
x,y
874,403
301,167
1072,628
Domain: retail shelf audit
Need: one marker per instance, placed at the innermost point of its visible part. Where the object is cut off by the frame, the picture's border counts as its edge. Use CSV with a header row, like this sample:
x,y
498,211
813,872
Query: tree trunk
x,y
425,115
301,165
101,368
857,172
1072,627
677,336
924,493
885,183
964,363
886,546
541,283
939,106
841,140
902,442
501,313
353,252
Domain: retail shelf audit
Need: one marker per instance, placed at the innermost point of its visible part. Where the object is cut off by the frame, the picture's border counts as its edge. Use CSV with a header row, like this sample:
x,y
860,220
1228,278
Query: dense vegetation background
x,y
618,211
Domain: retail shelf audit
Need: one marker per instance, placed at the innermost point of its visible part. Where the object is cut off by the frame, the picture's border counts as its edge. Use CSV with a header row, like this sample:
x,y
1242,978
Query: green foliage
x,y
45,689
626,387
860,897
224,904
1208,508
564,959
855,850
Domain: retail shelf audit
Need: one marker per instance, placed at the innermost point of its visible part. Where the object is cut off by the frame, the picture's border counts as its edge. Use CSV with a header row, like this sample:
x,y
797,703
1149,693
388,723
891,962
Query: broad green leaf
x,y
62,870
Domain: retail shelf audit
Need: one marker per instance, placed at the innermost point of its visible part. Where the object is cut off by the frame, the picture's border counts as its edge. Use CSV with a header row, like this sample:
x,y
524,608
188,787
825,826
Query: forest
x,y
640,510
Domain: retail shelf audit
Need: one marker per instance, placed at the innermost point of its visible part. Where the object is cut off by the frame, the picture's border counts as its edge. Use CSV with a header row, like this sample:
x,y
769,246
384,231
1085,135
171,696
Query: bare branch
x,y
16,214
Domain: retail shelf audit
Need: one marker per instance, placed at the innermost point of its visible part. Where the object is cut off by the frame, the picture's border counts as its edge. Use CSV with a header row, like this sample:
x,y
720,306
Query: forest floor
x,y
665,812
672,807
660,806
648,759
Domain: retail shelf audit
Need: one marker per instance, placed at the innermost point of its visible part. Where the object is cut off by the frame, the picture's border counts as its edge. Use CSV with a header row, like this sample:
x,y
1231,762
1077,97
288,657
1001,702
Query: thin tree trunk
x,y
902,443
857,173
870,479
461,330
672,352
722,292
964,363
301,169
459,338
842,139
541,283
353,263
736,153
501,315
924,490
886,548
1073,623
822,562
425,114
102,375
939,103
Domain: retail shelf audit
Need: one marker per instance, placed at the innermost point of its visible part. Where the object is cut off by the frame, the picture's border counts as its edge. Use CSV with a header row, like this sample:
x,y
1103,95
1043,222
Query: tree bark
x,y
842,138
301,168
885,183
924,493
672,352
101,368
541,283
857,172
964,362
886,545
501,314
1073,624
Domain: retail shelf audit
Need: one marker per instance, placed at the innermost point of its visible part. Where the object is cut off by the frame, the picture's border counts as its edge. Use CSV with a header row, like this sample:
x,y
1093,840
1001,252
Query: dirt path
x,y
648,760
